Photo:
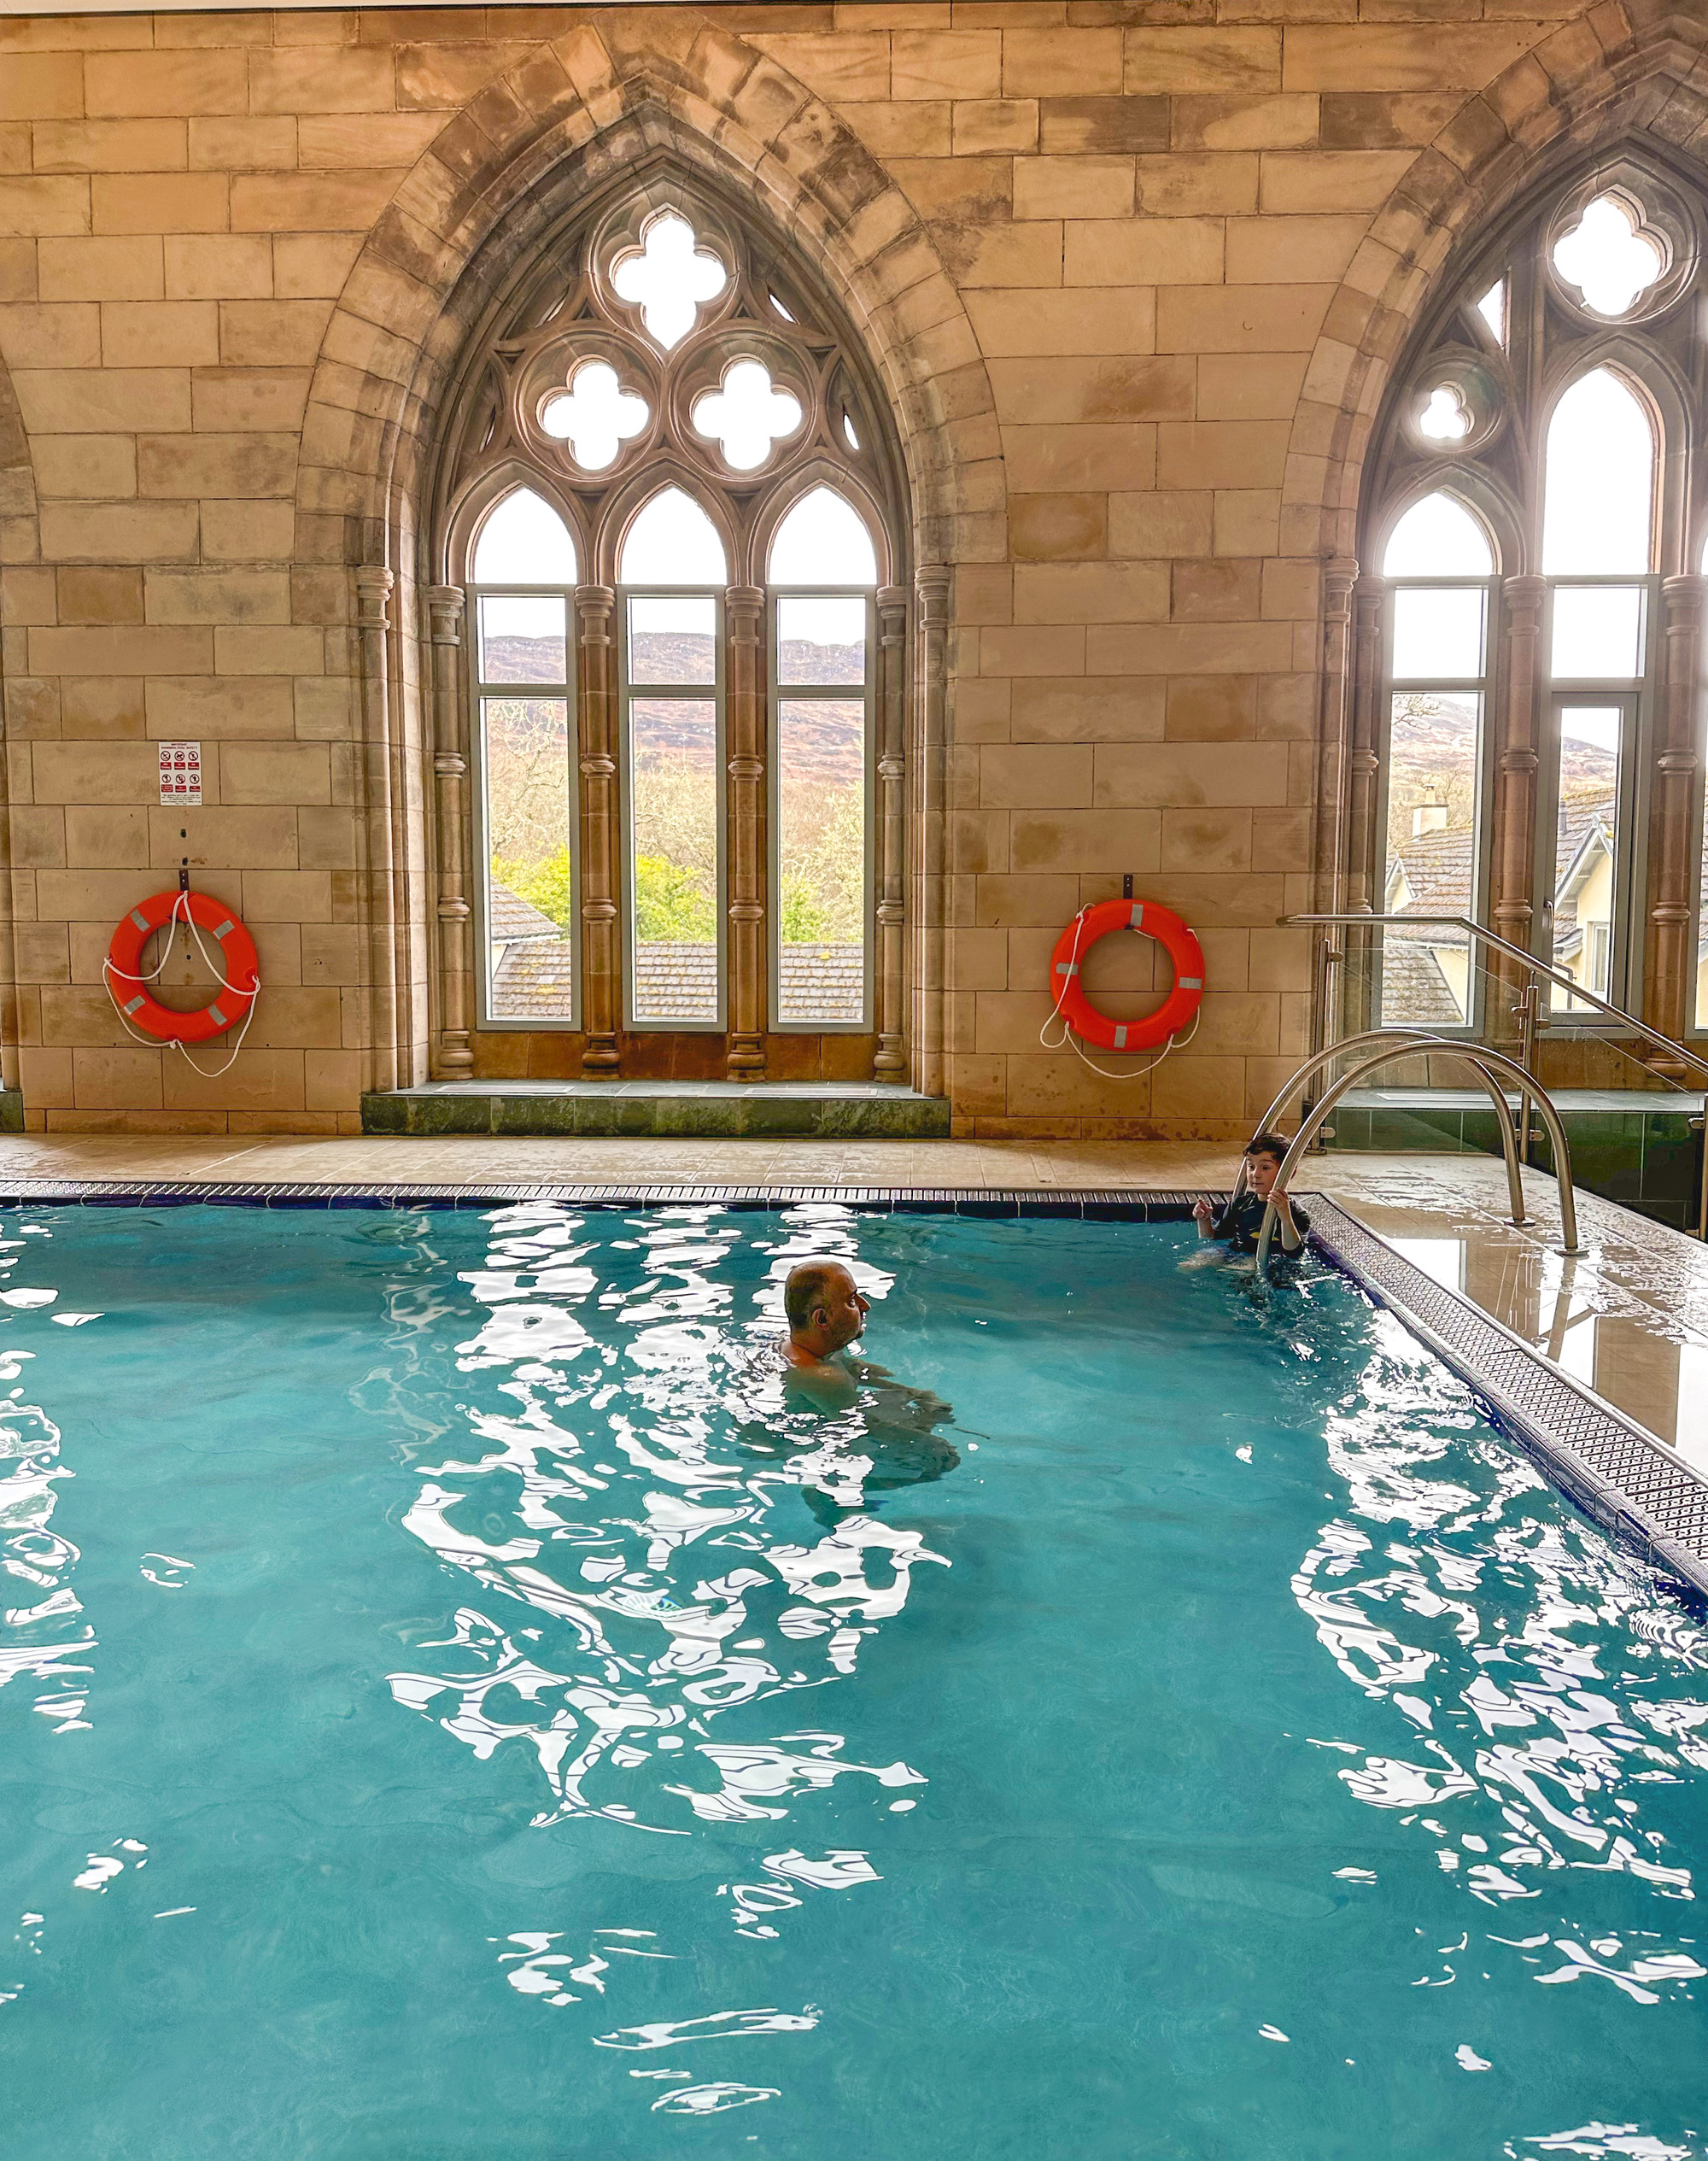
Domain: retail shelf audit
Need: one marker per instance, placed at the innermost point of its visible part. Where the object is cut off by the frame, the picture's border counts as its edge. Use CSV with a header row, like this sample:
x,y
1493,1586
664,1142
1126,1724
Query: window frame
x,y
477,694
1482,688
714,693
1637,698
777,693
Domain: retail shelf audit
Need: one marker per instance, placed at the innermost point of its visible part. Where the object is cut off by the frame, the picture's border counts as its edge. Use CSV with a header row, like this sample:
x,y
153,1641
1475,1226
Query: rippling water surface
x,y
452,1705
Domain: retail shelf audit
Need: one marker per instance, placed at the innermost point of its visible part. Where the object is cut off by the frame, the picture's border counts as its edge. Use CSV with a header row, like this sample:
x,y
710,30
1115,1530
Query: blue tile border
x,y
1619,1473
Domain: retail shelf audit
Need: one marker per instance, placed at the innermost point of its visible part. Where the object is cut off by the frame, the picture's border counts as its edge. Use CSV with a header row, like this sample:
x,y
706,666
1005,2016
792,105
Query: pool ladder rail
x,y
1377,1047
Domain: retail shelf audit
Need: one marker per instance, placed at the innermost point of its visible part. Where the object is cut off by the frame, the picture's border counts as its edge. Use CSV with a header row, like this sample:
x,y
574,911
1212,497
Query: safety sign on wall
x,y
181,776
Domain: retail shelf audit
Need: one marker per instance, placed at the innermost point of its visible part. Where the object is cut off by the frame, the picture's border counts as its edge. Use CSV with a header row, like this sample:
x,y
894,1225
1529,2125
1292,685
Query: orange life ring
x,y
1161,924
239,965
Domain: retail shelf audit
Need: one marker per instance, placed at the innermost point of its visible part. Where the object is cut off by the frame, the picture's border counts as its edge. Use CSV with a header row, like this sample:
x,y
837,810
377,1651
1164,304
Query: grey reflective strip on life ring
x,y
1137,918
140,920
1067,968
1191,982
214,1014
1120,1039
133,1007
225,928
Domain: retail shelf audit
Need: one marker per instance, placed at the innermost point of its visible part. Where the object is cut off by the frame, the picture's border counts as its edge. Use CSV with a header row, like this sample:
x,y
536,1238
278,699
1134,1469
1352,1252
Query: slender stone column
x,y
1518,748
455,1056
384,951
744,609
1365,733
891,1062
1334,769
931,842
1669,976
596,697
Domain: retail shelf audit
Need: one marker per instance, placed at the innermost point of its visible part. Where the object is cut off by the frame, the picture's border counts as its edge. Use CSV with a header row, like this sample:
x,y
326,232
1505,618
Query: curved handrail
x,y
1422,1043
1409,1047
1581,996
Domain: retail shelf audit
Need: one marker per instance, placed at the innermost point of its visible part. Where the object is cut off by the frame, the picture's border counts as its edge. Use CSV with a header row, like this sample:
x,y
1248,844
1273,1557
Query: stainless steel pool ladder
x,y
1377,1047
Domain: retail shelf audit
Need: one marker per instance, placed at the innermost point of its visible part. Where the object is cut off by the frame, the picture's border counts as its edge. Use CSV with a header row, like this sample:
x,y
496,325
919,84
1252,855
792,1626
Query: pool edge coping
x,y
1610,1465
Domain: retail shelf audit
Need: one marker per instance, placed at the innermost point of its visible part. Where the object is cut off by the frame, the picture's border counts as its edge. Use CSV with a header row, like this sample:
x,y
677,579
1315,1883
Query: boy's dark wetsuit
x,y
1240,1224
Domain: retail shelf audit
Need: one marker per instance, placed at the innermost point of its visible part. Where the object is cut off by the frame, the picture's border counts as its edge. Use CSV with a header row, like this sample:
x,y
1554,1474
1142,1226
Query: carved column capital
x,y
1340,575
1524,596
595,605
374,583
445,605
744,606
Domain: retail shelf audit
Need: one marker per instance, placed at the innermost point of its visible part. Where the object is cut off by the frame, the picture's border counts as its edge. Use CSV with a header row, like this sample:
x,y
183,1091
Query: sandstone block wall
x,y
1150,257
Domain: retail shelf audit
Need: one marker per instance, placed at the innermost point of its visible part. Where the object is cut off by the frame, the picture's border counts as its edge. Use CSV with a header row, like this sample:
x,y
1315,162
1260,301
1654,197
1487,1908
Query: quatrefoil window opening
x,y
1607,257
1445,417
746,416
669,277
596,416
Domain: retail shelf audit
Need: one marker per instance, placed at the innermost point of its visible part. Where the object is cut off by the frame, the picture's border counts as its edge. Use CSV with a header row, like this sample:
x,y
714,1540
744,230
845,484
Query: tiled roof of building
x,y
508,915
533,981
1438,869
1414,991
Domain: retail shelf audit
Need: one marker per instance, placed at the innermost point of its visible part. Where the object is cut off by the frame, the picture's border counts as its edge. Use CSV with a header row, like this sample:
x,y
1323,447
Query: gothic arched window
x,y
671,497
1525,748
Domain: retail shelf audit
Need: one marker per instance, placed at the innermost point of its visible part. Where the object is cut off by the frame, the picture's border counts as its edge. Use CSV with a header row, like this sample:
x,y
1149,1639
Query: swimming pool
x,y
453,1708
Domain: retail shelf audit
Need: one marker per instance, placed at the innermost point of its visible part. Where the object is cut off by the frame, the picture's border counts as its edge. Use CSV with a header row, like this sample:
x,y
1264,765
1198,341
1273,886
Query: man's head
x,y
824,1307
1265,1153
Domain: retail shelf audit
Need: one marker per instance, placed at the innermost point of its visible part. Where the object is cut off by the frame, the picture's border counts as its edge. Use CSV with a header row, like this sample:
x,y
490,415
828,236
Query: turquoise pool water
x,y
453,1707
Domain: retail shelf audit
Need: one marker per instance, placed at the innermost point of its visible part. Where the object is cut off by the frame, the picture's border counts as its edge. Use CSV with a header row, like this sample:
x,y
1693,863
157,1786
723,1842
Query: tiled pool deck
x,y
1628,1318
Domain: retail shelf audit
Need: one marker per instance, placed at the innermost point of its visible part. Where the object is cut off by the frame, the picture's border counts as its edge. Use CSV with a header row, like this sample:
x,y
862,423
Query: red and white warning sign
x,y
181,776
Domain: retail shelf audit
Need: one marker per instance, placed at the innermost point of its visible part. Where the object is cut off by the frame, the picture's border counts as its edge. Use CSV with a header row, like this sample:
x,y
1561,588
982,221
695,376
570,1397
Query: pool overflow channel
x,y
1613,1469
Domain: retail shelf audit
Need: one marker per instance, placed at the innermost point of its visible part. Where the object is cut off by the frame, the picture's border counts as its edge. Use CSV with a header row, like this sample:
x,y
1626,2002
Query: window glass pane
x,y
673,640
1438,632
1600,479
523,640
673,799
524,541
1598,630
822,859
672,542
1438,538
530,881
821,640
1609,260
1433,761
1584,844
823,541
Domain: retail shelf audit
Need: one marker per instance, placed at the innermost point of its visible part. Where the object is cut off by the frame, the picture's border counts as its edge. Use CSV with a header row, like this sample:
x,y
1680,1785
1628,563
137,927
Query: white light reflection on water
x,y
645,1615
35,1557
1504,1633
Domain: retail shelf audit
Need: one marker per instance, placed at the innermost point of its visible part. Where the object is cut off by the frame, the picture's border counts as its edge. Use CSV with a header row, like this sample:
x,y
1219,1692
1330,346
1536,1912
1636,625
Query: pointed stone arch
x,y
1627,67
570,116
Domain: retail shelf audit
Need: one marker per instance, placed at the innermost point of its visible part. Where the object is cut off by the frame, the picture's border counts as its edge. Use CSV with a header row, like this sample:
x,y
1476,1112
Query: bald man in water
x,y
826,1314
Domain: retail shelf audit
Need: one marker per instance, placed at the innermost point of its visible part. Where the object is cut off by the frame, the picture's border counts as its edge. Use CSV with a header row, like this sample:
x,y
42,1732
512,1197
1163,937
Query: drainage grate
x,y
1614,1468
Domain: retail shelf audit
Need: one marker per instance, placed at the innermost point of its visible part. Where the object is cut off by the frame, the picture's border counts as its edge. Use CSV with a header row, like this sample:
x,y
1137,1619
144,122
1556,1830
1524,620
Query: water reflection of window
x,y
524,688
673,733
1439,561
821,765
